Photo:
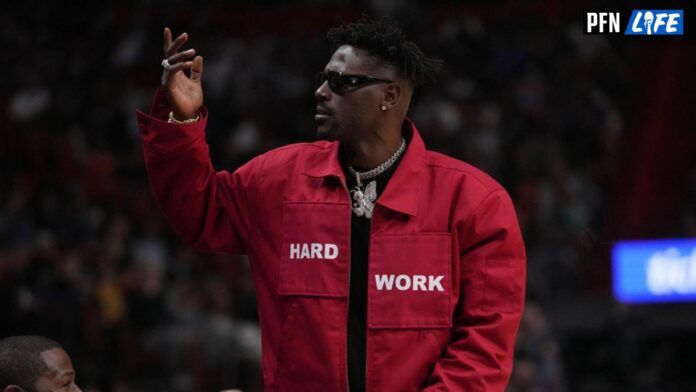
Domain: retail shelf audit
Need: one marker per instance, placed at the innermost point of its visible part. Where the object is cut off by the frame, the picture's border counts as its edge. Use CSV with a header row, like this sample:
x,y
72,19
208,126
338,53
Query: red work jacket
x,y
446,264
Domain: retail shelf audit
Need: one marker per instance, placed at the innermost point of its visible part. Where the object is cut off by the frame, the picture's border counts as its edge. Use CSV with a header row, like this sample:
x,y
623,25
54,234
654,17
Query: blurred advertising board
x,y
651,271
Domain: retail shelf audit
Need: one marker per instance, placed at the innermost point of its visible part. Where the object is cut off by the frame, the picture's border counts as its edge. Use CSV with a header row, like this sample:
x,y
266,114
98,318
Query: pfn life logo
x,y
641,22
656,22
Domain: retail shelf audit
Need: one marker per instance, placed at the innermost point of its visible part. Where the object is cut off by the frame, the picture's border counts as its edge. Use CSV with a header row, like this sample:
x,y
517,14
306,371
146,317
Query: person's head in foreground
x,y
369,81
33,363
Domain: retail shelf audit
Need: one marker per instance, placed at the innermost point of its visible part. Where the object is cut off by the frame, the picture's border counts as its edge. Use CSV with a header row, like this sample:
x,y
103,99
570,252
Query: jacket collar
x,y
404,187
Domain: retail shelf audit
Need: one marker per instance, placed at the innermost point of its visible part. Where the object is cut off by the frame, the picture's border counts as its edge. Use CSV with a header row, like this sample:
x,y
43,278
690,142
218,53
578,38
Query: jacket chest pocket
x,y
315,249
409,281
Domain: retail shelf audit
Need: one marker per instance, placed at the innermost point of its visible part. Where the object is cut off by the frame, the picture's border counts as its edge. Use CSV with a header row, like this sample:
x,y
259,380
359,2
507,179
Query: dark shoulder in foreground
x,y
437,161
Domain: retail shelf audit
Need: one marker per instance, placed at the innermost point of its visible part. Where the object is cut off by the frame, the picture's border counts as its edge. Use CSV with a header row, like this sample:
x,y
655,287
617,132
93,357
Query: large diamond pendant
x,y
363,203
358,206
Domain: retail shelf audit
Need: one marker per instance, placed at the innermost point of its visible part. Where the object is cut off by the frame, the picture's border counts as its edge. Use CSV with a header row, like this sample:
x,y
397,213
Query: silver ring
x,y
166,65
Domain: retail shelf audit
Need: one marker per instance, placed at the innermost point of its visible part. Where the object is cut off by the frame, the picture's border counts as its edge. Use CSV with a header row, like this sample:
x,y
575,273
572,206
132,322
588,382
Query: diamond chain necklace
x,y
379,169
364,198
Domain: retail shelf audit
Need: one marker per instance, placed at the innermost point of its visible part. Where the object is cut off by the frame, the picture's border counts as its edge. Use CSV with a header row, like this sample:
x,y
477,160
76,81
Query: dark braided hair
x,y
385,41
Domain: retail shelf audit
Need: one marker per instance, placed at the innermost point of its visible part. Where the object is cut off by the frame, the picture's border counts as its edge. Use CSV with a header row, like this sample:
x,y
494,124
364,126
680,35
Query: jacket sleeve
x,y
492,266
208,209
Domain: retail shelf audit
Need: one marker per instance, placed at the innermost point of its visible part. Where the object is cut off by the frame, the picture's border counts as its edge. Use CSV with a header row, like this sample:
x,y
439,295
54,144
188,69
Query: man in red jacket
x,y
378,265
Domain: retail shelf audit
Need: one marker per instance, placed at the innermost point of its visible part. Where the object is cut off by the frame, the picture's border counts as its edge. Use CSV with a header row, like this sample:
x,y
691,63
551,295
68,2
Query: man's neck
x,y
371,152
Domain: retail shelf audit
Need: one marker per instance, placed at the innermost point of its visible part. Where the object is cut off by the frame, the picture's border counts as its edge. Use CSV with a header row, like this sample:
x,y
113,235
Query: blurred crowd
x,y
87,258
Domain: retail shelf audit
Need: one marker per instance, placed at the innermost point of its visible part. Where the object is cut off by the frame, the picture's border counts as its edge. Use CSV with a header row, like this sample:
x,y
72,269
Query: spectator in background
x,y
33,363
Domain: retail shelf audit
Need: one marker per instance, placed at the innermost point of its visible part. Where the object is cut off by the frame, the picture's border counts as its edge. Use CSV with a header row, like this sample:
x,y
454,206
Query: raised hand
x,y
184,92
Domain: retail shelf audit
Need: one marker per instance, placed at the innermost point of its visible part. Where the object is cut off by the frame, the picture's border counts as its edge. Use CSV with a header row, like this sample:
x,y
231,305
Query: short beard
x,y
329,134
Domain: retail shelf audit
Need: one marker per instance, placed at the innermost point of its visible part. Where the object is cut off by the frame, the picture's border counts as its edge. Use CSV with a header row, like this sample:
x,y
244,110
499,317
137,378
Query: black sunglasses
x,y
341,83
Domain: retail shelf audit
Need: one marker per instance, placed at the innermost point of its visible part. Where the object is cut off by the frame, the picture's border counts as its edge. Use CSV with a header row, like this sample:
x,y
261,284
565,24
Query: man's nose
x,y
322,93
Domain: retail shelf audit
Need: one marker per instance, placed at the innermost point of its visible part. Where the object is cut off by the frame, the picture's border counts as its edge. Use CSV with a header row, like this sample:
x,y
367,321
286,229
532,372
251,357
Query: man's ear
x,y
13,388
392,95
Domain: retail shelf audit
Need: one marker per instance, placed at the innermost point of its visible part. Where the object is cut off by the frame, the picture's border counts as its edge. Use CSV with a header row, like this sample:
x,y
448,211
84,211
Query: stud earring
x,y
384,108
